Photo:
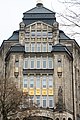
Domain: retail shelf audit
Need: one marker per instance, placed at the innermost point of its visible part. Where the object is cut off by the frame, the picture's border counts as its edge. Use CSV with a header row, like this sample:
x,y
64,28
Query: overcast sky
x,y
11,13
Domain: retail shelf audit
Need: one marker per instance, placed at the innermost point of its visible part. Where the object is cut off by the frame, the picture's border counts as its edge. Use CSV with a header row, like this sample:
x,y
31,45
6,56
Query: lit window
x,y
44,82
27,47
25,82
38,82
44,48
38,47
32,47
32,63
51,101
44,63
44,98
50,63
49,47
31,81
38,63
38,100
50,81
25,63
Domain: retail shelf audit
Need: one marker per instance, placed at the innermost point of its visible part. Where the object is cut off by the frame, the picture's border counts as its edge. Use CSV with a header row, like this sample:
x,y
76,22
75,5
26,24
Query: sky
x,y
11,14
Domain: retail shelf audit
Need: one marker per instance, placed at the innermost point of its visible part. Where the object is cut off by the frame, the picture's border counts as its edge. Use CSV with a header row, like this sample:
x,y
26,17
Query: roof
x,y
39,9
61,48
39,13
17,48
14,36
63,36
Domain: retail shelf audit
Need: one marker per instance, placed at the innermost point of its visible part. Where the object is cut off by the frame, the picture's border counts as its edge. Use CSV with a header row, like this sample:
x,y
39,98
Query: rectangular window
x,y
27,47
49,34
16,63
38,33
44,82
27,34
50,63
25,82
38,63
44,101
31,81
44,33
44,47
25,63
51,101
38,100
44,64
50,81
49,47
38,82
32,47
38,47
32,63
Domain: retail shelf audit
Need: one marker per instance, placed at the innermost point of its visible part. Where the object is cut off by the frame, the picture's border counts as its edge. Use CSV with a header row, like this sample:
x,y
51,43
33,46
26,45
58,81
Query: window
x,y
44,33
38,47
50,81
27,47
38,63
25,63
49,47
38,100
38,33
33,34
44,48
50,63
44,82
27,34
31,81
32,47
25,82
50,101
44,63
49,34
38,82
32,63
44,98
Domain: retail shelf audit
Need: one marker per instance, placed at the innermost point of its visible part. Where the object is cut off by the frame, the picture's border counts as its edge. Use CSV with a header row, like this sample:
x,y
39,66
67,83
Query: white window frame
x,y
38,59
50,81
38,99
44,101
32,80
27,45
44,47
51,98
25,62
31,63
50,60
25,79
44,60
38,46
32,47
38,82
44,82
49,47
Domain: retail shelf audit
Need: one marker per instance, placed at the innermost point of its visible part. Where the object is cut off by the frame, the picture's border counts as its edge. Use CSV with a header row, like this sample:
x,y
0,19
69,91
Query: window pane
x,y
38,63
44,82
50,63
44,101
51,101
44,63
25,63
25,82
44,48
49,48
33,47
27,47
32,82
38,82
38,47
38,100
32,63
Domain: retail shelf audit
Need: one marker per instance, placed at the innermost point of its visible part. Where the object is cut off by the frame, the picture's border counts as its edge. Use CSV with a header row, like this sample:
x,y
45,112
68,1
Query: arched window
x,y
69,119
57,118
64,119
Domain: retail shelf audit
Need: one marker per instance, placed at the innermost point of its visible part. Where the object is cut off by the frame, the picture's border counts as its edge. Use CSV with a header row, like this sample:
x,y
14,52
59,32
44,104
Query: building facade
x,y
45,63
